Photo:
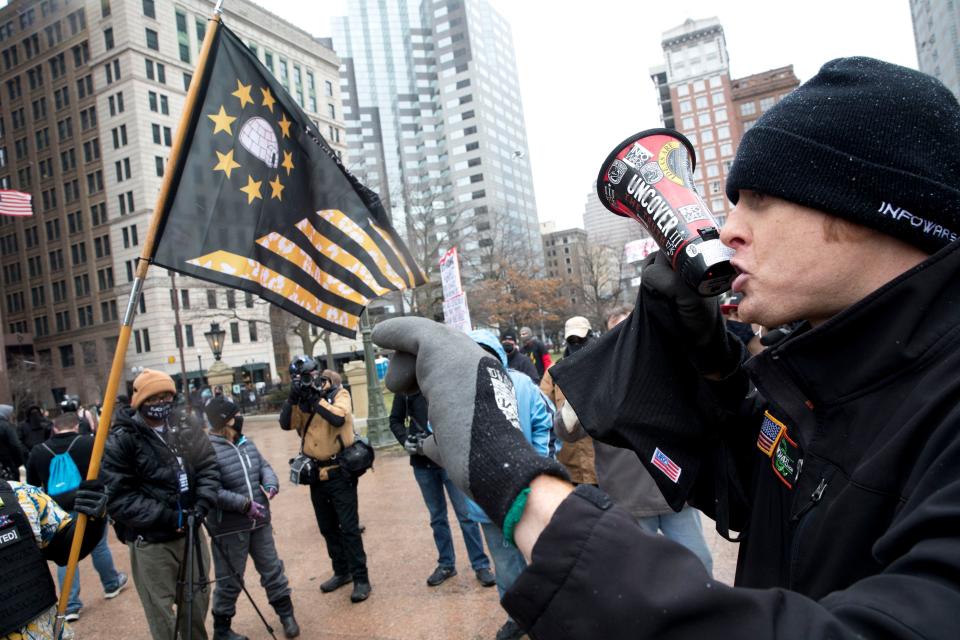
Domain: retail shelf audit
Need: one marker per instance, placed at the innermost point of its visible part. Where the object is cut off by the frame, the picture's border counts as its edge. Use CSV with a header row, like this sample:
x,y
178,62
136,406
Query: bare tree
x,y
602,279
25,378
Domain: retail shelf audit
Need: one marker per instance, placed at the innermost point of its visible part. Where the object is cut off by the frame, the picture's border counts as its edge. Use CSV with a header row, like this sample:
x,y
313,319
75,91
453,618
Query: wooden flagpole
x,y
126,326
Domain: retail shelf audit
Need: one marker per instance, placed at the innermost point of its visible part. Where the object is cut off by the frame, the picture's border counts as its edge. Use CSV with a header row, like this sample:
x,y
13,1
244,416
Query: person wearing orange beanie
x,y
159,473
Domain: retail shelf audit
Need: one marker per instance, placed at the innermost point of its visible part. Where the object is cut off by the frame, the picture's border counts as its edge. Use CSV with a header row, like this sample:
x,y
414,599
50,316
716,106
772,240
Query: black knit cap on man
x,y
841,472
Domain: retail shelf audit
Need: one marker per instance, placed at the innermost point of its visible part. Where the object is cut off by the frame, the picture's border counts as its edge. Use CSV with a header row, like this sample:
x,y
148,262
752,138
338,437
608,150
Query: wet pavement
x,y
400,555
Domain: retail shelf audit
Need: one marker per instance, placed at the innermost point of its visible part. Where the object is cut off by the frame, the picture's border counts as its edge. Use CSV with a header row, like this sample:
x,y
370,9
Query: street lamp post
x,y
377,421
200,365
215,339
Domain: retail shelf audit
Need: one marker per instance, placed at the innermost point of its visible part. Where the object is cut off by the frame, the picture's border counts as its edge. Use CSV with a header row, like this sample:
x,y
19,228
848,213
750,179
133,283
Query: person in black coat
x,y
67,439
516,359
842,471
34,429
12,455
160,475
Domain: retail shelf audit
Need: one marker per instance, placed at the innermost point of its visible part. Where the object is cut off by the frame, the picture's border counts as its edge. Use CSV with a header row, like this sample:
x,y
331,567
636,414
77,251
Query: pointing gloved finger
x,y
403,334
431,450
402,373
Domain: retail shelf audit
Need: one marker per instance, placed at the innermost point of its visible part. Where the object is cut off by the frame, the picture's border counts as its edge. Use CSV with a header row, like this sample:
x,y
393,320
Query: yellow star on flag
x,y
243,93
287,161
226,163
276,189
252,189
268,99
221,121
285,125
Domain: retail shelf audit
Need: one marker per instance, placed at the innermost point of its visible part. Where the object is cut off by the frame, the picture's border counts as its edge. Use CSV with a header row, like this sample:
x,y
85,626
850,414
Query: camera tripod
x,y
186,586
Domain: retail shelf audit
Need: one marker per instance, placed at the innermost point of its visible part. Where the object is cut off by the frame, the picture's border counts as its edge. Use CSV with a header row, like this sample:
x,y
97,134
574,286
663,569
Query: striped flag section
x,y
661,461
15,203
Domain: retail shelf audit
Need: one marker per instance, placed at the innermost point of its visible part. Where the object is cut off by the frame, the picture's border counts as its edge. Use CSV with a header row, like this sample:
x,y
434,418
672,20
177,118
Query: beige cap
x,y
576,326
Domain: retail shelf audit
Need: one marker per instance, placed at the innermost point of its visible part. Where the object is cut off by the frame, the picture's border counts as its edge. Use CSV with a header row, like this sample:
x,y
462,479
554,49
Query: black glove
x,y
472,408
414,445
91,499
711,349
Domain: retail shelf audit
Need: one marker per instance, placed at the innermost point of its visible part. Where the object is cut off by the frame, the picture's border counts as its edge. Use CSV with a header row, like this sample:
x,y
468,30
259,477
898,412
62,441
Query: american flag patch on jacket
x,y
661,461
770,432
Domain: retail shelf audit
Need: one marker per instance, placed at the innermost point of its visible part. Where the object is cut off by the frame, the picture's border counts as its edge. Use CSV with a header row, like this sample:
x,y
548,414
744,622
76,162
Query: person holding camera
x,y
432,479
320,410
162,475
240,527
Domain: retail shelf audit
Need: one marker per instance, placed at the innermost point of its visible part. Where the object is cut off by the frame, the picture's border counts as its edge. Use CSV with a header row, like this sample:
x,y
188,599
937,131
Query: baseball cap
x,y
576,326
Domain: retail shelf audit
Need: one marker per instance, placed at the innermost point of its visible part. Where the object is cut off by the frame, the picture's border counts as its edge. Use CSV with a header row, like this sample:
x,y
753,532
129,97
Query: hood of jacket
x,y
6,412
487,339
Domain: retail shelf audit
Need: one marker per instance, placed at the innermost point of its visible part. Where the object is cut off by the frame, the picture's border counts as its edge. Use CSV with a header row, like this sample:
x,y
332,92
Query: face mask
x,y
158,411
237,424
509,347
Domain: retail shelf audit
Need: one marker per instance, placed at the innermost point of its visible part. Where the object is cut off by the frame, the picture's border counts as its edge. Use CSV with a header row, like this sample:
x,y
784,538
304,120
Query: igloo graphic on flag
x,y
258,137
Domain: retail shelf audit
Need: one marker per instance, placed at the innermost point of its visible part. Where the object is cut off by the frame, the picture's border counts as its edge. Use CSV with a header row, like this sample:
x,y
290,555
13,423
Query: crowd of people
x,y
812,416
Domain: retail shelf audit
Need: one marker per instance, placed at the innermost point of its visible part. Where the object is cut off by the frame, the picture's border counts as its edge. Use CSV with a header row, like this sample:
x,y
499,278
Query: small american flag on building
x,y
15,203
661,461
769,434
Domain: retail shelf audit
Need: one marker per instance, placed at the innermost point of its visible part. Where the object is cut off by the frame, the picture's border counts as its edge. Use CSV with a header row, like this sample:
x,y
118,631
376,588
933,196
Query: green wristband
x,y
514,514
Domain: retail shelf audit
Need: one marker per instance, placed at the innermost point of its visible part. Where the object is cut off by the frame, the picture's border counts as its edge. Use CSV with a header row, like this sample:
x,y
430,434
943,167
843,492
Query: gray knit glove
x,y
472,408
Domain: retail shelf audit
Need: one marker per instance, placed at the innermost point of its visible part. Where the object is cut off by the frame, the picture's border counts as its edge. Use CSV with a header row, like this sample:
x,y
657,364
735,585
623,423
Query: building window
x,y
211,299
234,332
748,108
183,38
108,38
231,299
153,41
66,356
252,326
766,103
149,9
188,329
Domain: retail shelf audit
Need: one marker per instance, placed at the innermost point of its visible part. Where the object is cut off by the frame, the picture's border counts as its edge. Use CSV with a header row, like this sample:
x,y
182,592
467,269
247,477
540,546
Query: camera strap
x,y
303,436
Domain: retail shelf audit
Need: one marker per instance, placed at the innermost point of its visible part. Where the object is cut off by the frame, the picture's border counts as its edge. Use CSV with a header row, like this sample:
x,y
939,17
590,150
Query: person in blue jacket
x,y
535,413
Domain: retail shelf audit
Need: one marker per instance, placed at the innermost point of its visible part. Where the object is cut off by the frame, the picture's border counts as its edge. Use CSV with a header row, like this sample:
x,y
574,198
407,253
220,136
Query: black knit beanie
x,y
869,141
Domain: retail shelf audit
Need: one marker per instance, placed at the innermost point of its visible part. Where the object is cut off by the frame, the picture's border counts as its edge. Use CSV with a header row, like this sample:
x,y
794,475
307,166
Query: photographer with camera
x,y
321,412
163,479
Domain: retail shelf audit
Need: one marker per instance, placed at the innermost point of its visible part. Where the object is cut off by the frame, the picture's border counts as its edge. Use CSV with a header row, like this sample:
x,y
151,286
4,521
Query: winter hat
x,y
865,140
220,410
150,383
6,411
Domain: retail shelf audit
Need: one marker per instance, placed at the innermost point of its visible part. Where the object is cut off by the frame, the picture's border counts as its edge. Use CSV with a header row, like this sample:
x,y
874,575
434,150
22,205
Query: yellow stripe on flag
x,y
338,254
249,269
291,252
411,278
356,233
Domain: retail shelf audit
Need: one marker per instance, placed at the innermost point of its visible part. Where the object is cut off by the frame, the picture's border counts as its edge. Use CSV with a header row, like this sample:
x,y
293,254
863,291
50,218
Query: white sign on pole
x,y
637,250
455,312
450,274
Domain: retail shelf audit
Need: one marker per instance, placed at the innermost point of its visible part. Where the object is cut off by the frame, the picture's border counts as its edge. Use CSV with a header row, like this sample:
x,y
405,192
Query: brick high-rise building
x,y
90,94
709,107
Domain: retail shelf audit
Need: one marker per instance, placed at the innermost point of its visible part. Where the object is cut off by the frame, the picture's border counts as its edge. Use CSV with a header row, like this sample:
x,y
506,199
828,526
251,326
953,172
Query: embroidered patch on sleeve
x,y
661,461
785,460
770,432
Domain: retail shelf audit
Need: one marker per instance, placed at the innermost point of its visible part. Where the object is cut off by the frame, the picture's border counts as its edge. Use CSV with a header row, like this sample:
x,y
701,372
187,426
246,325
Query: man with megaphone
x,y
840,471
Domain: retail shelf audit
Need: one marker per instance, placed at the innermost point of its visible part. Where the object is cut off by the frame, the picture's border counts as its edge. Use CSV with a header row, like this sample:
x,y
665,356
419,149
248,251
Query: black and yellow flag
x,y
262,203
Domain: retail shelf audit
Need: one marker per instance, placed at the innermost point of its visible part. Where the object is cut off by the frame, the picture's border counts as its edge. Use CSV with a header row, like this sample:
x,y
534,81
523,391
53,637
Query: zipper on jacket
x,y
246,475
801,519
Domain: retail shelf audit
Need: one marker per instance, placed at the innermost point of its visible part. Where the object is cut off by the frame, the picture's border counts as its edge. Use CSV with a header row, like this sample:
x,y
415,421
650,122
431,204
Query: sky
x,y
583,66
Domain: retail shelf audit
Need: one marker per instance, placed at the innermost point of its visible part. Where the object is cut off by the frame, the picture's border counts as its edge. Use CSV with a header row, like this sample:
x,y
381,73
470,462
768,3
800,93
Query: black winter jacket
x,y
852,515
244,476
142,475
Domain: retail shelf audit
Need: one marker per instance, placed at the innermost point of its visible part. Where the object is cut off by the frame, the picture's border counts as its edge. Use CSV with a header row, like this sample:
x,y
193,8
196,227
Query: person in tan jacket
x,y
577,457
321,412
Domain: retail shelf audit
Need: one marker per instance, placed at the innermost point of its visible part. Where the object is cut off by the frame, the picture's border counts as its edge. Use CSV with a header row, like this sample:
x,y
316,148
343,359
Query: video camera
x,y
303,377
